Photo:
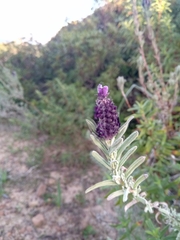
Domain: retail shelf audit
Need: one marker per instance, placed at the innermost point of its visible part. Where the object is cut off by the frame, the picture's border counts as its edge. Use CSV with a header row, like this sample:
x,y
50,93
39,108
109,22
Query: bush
x,y
62,109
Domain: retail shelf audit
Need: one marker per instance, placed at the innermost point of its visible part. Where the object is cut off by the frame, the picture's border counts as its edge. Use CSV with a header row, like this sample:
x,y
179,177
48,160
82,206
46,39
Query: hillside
x,y
97,49
135,51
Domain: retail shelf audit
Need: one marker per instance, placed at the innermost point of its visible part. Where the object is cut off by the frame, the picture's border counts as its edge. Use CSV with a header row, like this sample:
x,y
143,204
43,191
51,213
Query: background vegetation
x,y
59,81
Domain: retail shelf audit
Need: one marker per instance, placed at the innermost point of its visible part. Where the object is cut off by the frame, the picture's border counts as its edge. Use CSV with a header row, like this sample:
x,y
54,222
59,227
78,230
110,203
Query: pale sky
x,y
41,18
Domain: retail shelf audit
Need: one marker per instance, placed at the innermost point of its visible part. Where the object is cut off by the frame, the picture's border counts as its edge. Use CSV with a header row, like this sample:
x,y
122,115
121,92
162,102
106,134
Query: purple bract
x,y
102,91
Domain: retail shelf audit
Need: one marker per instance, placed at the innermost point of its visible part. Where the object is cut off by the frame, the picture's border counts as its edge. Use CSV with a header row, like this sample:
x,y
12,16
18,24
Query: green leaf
x,y
100,159
99,144
101,184
116,145
140,180
150,225
115,194
130,204
134,165
126,143
92,125
123,128
125,195
126,156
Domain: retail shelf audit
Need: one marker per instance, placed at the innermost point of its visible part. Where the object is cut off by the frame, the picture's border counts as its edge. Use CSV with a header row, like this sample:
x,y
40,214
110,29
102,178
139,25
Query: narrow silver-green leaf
x,y
99,144
115,194
127,142
124,127
91,124
178,236
141,199
100,159
116,145
101,184
148,208
140,180
125,195
130,204
164,211
134,165
126,156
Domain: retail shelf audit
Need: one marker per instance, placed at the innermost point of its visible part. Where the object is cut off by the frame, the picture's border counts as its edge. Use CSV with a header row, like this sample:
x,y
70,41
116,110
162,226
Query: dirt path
x,y
47,201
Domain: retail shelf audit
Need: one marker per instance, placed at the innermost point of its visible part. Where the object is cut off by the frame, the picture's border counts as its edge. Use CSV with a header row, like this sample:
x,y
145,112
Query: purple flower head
x,y
105,115
102,91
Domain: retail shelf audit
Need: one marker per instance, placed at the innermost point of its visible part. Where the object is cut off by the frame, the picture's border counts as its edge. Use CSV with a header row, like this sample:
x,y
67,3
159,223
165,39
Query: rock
x,y
38,220
22,230
55,175
28,237
61,221
34,202
1,213
51,181
41,190
29,229
22,169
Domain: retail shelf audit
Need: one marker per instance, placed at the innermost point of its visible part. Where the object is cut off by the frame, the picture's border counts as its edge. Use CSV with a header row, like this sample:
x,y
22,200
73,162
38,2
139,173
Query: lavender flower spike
x,y
105,115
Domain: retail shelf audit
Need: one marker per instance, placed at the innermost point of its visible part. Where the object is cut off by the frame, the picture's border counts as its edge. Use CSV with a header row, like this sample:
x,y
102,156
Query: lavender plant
x,y
158,112
162,88
108,135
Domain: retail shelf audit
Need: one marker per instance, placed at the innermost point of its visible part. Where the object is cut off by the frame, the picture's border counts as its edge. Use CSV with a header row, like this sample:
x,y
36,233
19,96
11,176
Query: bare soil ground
x,y
33,207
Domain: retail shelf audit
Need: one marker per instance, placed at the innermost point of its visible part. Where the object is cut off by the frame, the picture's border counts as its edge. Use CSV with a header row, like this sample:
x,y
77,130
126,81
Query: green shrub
x,y
62,108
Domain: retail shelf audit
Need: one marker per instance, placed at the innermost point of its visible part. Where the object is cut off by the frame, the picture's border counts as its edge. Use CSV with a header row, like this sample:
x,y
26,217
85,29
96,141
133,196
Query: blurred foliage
x,y
157,113
11,94
88,231
3,180
87,52
97,49
63,108
158,233
161,145
58,78
59,81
